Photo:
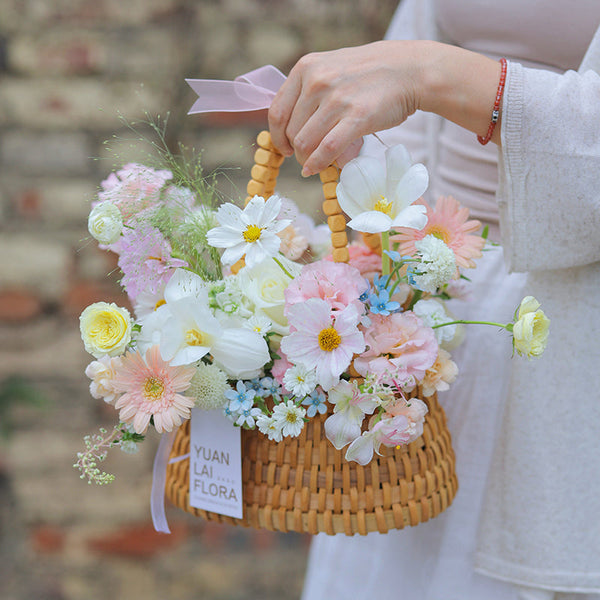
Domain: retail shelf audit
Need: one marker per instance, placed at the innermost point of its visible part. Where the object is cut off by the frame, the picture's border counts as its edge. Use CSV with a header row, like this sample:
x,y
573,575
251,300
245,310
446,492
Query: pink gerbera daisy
x,y
448,222
151,388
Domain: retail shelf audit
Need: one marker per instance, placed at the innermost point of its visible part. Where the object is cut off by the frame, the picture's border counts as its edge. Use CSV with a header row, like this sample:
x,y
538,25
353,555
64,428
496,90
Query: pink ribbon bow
x,y
252,91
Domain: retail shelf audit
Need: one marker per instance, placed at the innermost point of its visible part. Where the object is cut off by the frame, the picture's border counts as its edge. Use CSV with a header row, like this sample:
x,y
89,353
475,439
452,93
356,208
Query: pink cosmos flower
x,y
338,284
145,260
400,347
449,223
323,339
134,188
151,388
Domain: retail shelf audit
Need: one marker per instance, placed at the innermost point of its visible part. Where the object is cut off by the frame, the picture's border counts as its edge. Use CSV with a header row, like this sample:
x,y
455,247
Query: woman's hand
x,y
331,99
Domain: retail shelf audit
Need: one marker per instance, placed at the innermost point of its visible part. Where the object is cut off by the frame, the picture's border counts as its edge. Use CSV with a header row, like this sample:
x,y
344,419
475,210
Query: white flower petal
x,y
224,237
361,449
342,428
362,182
232,255
411,187
270,211
240,350
254,210
414,216
398,162
372,221
185,284
229,215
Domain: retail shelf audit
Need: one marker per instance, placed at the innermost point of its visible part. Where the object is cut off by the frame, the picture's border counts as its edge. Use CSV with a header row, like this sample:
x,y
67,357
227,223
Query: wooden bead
x,y
331,207
255,188
339,239
268,158
373,241
261,173
263,139
329,189
329,174
340,255
337,223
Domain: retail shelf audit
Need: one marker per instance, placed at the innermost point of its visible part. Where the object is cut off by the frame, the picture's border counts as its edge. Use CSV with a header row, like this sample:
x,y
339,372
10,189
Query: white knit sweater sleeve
x,y
549,176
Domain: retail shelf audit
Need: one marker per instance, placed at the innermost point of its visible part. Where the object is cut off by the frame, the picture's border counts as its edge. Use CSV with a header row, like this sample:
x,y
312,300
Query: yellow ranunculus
x,y
105,329
530,331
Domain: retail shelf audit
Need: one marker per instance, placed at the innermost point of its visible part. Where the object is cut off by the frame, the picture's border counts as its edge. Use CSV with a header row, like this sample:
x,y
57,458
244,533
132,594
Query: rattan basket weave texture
x,y
304,484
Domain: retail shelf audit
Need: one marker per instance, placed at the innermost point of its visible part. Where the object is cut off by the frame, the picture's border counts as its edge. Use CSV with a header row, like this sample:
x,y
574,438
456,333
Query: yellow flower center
x,y
153,388
440,233
291,417
252,233
159,303
195,337
383,205
329,339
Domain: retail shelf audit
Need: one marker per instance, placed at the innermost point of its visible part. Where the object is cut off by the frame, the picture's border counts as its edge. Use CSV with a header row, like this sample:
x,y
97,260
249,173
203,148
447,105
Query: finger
x,y
333,145
280,112
352,151
305,109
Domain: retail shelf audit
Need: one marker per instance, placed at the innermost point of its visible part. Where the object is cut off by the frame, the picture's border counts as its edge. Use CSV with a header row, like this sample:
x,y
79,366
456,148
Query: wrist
x,y
459,85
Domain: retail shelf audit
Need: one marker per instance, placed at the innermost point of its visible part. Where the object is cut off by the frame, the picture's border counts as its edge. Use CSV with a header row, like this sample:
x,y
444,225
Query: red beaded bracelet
x,y
496,109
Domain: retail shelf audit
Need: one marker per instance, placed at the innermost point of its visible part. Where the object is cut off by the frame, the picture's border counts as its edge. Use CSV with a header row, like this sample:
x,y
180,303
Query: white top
x,y
539,525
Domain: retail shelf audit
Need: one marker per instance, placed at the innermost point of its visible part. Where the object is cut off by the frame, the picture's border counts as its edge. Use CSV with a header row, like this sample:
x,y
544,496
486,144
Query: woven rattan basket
x,y
304,484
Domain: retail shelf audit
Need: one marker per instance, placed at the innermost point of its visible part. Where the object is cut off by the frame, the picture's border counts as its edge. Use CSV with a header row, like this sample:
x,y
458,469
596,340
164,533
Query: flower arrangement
x,y
242,310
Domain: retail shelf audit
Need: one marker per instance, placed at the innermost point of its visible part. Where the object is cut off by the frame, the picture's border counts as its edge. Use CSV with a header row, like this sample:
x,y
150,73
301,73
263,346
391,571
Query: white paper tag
x,y
215,463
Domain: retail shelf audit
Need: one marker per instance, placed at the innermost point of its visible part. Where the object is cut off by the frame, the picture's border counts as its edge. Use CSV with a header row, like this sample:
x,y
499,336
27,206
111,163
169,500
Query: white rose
x,y
105,223
264,285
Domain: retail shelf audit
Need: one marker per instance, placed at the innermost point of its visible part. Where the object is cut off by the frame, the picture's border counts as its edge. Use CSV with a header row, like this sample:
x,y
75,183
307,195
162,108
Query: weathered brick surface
x,y
69,68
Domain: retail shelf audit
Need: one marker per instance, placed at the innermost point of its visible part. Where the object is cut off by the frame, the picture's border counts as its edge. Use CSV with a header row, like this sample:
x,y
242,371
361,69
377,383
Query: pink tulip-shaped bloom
x,y
323,339
338,284
400,347
151,388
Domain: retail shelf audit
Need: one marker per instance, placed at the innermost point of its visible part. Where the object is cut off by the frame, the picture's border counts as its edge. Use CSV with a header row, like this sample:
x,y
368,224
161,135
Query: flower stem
x,y
283,268
385,259
506,326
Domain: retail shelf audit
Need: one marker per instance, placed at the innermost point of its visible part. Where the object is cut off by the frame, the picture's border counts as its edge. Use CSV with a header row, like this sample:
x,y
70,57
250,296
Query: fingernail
x,y
306,172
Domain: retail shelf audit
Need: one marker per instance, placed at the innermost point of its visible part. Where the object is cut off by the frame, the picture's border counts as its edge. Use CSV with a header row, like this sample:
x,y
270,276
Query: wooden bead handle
x,y
267,160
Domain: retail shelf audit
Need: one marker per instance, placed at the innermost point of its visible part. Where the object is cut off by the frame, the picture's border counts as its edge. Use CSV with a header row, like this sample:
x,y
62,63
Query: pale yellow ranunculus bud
x,y
105,329
530,331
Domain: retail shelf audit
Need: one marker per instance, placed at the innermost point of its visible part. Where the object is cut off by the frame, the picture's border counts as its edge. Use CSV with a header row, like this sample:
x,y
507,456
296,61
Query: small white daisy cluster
x,y
265,404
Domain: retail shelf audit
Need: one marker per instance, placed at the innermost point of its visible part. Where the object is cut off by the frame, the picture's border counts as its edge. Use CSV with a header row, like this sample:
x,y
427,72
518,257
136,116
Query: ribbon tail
x,y
159,478
252,91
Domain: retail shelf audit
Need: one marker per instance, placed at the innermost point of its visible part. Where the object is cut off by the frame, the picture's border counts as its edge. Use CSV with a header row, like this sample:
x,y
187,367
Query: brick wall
x,y
69,67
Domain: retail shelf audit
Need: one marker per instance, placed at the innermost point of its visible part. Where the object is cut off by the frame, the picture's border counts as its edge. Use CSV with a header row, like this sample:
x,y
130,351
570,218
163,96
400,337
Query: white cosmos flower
x,y
289,417
300,380
251,232
379,198
186,330
258,323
